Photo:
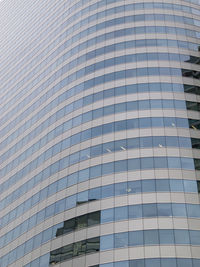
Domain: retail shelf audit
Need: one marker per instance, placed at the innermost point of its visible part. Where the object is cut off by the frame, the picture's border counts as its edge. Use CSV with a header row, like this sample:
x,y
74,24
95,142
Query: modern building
x,y
99,133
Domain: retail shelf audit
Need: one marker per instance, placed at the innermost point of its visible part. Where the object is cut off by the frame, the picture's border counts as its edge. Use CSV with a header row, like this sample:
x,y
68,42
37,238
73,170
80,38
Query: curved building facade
x,y
100,133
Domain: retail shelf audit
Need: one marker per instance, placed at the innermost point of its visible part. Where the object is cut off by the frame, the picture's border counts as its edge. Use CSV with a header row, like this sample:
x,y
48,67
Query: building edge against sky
x,y
99,133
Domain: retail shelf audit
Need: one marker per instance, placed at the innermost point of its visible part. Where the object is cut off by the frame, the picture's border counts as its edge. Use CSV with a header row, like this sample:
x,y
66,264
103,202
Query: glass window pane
x,y
176,185
166,236
168,262
94,218
159,141
146,163
81,221
83,175
79,248
82,197
152,262
59,206
164,209
106,242
134,187
121,240
94,194
174,163
136,238
160,162
190,186
162,185
69,226
121,264
184,262
121,213
151,237
195,237
148,185
47,235
107,215
181,237
135,211
137,263
149,210
93,245
120,189
108,191
179,210
107,168
67,252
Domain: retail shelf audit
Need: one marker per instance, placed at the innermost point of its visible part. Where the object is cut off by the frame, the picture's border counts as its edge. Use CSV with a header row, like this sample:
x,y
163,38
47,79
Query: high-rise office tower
x,y
100,133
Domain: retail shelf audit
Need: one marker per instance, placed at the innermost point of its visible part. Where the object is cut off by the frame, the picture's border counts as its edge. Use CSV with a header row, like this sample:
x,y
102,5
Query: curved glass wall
x,y
100,133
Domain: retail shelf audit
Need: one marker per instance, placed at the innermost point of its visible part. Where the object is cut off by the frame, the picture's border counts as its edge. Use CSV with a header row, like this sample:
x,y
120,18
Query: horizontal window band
x,y
123,188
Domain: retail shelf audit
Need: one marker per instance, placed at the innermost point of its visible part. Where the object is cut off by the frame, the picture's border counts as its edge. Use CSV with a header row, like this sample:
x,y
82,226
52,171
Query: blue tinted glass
x,y
148,185
106,242
144,123
133,143
35,263
83,175
120,188
49,211
107,215
190,186
121,213
106,265
147,163
146,142
72,179
108,191
62,183
193,210
134,187
196,262
160,162
137,263
164,209
122,264
47,235
71,202
162,185
195,237
149,210
44,260
184,262
151,237
174,163
107,168
95,171
28,246
136,238
182,237
185,142
152,262
94,194
166,236
121,166
135,211
168,262
40,216
82,197
157,122
187,163
176,185
121,240
133,164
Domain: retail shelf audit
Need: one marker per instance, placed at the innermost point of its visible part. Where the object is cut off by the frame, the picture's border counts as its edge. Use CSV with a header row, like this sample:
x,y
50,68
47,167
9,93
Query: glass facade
x,y
100,133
